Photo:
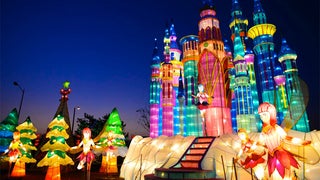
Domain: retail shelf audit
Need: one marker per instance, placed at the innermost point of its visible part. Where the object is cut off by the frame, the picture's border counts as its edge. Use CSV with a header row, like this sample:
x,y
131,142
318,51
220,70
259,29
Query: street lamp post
x,y
22,90
74,113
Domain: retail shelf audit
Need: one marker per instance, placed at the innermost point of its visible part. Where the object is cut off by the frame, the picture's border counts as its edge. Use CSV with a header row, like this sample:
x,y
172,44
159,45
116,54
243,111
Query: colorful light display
x,y
111,141
230,82
297,105
56,148
7,127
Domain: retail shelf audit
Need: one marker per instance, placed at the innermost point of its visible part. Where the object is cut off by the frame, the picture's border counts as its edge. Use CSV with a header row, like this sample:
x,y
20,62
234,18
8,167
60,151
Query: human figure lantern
x,y
202,105
87,156
281,155
15,153
253,154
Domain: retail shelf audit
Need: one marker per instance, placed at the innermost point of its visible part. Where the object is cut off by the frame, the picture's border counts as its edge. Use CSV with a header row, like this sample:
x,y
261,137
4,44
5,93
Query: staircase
x,y
189,165
195,153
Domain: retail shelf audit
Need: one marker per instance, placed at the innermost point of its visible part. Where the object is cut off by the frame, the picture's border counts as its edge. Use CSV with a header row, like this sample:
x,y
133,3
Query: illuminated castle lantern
x,y
212,69
281,99
155,91
190,48
167,89
238,20
262,35
242,89
177,70
287,58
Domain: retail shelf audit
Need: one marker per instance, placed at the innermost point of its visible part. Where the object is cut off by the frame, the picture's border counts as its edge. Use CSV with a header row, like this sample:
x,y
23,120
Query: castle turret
x,y
281,100
237,19
155,90
242,89
177,66
297,106
262,35
167,88
190,48
213,72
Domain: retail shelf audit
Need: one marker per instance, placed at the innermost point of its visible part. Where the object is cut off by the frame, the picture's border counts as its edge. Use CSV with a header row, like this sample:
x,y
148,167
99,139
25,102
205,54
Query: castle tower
x,y
281,101
242,89
177,66
190,48
238,20
213,67
297,107
262,35
167,88
155,90
249,57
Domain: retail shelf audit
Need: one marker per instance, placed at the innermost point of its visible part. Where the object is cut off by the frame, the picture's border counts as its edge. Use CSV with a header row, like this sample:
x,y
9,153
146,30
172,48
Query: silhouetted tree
x,y
144,119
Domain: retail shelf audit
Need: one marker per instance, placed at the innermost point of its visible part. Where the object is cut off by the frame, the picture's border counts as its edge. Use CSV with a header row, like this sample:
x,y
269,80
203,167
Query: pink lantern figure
x,y
272,136
202,105
253,154
14,153
87,155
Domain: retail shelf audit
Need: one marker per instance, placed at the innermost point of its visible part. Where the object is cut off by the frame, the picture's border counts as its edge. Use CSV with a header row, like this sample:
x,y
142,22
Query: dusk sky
x,y
104,48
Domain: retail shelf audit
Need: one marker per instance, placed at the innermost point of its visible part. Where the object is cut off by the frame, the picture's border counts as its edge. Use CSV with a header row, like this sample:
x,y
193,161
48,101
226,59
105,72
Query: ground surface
x,y
35,173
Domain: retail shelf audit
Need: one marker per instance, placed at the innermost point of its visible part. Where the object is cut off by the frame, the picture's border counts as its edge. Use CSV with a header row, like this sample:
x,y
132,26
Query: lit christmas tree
x,y
7,127
111,140
56,148
27,134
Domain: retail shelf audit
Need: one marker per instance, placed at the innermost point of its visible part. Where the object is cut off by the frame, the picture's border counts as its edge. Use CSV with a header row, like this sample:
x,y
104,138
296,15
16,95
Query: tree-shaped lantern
x,y
56,148
27,134
111,141
7,127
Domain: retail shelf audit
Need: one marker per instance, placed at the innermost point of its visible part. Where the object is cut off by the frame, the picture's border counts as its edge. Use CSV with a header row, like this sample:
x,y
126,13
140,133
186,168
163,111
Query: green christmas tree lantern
x,y
111,140
56,148
27,134
7,127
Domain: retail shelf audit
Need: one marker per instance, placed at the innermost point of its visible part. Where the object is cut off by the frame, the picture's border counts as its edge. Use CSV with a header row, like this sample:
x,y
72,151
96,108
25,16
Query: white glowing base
x,y
146,154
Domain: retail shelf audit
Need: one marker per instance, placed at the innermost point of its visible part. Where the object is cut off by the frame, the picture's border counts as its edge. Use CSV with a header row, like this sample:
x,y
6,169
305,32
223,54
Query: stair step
x,y
197,150
205,139
189,164
201,145
196,157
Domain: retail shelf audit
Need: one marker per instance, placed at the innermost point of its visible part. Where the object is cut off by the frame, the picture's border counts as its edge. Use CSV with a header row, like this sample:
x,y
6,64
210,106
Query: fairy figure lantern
x,y
272,136
252,152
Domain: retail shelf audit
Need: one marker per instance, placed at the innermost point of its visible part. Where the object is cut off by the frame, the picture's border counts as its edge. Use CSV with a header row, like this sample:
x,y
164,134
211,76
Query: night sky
x,y
104,48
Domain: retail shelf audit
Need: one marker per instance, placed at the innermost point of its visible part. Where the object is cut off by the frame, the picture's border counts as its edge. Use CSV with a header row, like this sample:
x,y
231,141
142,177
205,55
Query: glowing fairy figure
x,y
87,155
253,154
202,104
272,136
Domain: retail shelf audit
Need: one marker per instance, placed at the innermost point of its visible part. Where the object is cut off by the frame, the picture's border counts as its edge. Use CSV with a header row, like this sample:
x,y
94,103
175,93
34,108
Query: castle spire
x,y
155,54
259,17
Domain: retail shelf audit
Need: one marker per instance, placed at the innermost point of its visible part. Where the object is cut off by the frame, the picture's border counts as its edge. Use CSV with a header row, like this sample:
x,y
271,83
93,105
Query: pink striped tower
x,y
167,89
213,73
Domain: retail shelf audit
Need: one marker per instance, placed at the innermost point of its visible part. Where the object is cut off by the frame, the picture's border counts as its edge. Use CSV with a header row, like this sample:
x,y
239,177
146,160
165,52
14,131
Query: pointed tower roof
x,y
166,41
155,54
238,49
173,38
286,52
259,17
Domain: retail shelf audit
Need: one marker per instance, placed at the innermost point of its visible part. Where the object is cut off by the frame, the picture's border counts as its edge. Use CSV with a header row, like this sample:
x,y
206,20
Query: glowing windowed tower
x,y
213,72
242,89
177,66
298,115
262,35
282,102
190,49
167,88
155,90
